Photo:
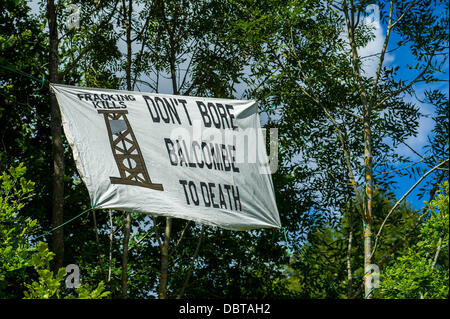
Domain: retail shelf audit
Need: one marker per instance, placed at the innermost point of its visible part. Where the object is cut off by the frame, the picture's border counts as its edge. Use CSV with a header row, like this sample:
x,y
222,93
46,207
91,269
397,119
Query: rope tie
x,y
284,230
366,234
369,293
65,223
12,69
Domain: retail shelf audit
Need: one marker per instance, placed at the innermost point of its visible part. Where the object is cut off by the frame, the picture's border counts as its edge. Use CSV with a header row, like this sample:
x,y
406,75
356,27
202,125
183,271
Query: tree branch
x,y
156,231
399,201
404,13
182,234
191,267
438,250
407,86
355,59
383,53
88,47
400,169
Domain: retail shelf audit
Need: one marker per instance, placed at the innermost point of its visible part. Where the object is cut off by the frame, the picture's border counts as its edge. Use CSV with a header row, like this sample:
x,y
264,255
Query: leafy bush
x,y
15,248
423,271
17,254
48,285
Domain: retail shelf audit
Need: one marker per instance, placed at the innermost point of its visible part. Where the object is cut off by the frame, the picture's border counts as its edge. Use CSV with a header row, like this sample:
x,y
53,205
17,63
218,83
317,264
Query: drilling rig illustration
x,y
126,151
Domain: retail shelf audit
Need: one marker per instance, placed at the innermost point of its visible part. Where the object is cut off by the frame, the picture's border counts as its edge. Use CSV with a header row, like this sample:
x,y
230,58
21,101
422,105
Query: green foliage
x,y
50,286
47,285
17,254
423,271
205,48
24,113
438,148
15,229
85,292
318,268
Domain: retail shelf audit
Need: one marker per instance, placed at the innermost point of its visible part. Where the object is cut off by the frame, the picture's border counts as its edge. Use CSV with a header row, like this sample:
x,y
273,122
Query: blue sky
x,y
403,57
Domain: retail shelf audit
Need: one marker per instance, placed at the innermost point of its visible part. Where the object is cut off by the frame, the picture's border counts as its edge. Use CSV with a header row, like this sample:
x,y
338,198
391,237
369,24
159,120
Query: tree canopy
x,y
341,128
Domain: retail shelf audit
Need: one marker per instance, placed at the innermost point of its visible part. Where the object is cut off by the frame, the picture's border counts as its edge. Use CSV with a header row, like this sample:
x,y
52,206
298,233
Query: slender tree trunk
x,y
349,255
191,267
127,15
57,145
173,73
172,58
126,239
367,218
97,241
111,236
165,260
165,245
436,256
368,225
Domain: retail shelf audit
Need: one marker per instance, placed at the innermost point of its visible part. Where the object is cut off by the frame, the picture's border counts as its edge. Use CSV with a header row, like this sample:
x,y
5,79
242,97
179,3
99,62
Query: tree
x,y
307,63
15,231
422,272
402,19
319,266
55,75
24,105
18,255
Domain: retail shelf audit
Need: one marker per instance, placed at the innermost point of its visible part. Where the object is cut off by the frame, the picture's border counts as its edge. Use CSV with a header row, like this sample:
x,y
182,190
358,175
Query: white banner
x,y
201,159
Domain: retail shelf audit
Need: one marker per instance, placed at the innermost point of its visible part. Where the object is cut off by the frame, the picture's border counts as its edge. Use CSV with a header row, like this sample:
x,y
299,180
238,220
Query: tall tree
x,y
58,74
318,267
307,61
57,144
411,20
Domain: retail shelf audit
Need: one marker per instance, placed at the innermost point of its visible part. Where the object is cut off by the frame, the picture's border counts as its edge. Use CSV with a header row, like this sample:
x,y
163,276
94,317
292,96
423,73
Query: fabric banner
x,y
201,159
